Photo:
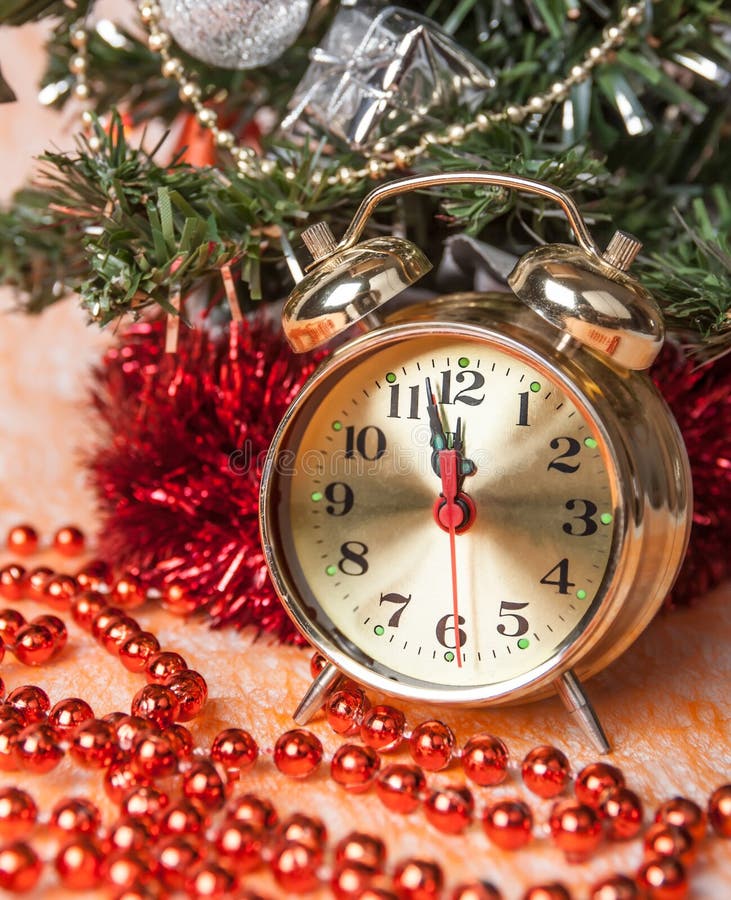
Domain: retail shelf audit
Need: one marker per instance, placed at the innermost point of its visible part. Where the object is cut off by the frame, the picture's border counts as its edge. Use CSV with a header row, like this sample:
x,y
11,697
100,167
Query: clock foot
x,y
315,694
572,693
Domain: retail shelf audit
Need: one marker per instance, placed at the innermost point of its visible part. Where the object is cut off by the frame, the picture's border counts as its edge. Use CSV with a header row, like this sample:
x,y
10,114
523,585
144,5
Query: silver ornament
x,y
235,34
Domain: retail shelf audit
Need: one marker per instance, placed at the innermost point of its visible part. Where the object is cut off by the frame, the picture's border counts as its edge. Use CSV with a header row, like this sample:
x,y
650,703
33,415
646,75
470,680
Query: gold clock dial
x,y
362,520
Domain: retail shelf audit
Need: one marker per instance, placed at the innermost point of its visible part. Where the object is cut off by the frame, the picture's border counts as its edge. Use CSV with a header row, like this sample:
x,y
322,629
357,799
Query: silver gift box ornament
x,y
379,72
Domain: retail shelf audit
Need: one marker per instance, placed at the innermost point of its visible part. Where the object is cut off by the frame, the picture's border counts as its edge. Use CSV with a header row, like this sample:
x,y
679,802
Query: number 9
x,y
340,495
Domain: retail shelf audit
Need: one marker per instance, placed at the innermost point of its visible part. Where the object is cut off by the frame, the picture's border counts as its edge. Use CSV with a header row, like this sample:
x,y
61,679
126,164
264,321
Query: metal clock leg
x,y
572,693
315,695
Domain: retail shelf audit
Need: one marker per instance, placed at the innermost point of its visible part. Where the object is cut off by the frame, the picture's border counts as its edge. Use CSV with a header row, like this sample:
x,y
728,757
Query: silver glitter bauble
x,y
235,34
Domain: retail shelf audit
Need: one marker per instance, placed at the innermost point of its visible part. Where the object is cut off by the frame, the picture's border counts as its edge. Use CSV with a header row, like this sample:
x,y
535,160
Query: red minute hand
x,y
448,465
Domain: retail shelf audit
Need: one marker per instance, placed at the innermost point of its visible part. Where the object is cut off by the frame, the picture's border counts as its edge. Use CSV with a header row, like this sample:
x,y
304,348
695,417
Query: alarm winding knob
x,y
320,240
622,250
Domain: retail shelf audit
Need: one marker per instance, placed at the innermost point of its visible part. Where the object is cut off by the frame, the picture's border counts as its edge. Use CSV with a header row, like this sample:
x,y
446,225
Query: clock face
x,y
362,513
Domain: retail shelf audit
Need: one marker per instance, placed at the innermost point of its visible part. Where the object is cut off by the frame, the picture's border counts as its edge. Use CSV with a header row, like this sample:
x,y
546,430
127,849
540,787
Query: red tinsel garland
x,y
178,473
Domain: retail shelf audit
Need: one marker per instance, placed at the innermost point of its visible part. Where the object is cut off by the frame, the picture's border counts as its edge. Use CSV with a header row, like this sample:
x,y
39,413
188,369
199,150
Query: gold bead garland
x,y
400,157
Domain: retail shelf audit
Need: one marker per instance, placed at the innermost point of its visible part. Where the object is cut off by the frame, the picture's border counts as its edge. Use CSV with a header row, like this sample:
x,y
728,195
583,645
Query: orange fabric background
x,y
665,703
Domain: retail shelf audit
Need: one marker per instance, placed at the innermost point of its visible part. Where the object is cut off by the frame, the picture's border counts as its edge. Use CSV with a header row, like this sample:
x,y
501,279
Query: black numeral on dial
x,y
353,561
507,611
477,381
446,626
562,582
523,412
341,498
395,402
589,526
398,600
369,442
573,447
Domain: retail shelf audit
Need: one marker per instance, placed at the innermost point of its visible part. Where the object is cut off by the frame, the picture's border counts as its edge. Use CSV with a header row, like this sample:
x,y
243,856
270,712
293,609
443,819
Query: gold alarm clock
x,y
480,499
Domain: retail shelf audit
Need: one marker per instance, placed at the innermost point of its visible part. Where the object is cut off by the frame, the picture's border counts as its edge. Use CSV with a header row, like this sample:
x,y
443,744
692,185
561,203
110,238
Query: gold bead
x,y
455,133
482,121
578,73
315,177
149,12
558,90
87,120
77,64
515,114
95,143
429,138
595,54
78,38
538,104
158,41
612,33
172,67
81,90
634,14
290,174
206,117
374,168
380,146
268,166
224,139
345,175
402,156
189,91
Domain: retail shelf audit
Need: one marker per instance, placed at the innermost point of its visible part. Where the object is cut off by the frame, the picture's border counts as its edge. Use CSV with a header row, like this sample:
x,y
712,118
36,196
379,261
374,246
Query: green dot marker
x,y
524,643
391,377
449,656
590,443
581,594
463,362
337,426
331,570
316,496
379,629
535,386
606,518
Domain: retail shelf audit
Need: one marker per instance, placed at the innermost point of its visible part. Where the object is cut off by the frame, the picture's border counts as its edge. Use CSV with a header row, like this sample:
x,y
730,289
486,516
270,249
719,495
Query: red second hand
x,y
448,471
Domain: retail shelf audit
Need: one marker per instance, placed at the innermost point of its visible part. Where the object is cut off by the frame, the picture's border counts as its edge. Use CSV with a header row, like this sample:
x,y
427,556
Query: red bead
x,y
181,740
127,868
622,811
157,703
594,780
9,713
176,855
418,879
450,809
182,817
383,728
317,664
576,829
79,863
191,690
117,632
552,891
477,890
18,812
120,779
144,801
205,784
616,887
136,650
36,749
12,582
130,834
154,756
684,813
75,815
253,811
508,824
160,666
662,839
34,645
68,714
431,745
22,539
344,710
297,753
57,627
236,750
177,600
719,810
94,744
129,592
485,759
20,867
100,621
94,575
210,880
306,830
31,701
59,591
36,580
11,621
663,878
546,771
350,880
130,729
294,867
399,787
69,541
364,849
9,732
239,845
85,607
354,767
